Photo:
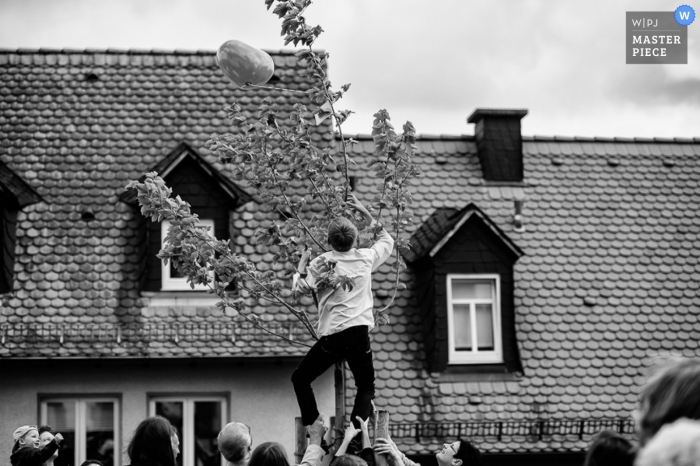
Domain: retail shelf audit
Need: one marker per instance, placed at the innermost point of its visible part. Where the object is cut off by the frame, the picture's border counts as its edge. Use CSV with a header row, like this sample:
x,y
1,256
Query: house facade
x,y
545,273
96,333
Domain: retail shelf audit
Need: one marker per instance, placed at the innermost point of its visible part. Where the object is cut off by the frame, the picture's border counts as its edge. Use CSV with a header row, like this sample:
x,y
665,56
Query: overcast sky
x,y
431,62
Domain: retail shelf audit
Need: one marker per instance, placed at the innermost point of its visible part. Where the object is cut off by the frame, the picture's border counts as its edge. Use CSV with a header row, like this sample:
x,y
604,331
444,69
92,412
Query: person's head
x,y
46,434
609,448
673,393
348,460
25,436
459,453
235,443
675,444
342,234
269,454
152,442
91,463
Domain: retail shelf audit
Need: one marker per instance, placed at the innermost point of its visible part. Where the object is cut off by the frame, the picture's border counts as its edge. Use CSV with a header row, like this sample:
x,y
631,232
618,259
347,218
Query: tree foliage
x,y
306,184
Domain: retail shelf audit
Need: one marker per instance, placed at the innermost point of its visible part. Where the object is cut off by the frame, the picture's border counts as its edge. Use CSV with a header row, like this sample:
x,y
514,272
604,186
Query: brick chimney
x,y
499,142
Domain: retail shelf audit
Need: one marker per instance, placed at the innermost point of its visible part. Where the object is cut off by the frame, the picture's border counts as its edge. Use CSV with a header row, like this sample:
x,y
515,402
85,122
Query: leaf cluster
x,y
305,184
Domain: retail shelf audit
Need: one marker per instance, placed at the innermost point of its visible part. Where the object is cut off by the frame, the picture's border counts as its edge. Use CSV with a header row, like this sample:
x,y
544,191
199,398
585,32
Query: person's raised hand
x,y
58,437
383,446
355,203
363,424
351,432
317,430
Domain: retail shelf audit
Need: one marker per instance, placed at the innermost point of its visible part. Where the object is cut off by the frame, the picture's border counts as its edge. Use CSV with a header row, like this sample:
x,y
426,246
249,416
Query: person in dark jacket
x,y
154,443
609,448
26,450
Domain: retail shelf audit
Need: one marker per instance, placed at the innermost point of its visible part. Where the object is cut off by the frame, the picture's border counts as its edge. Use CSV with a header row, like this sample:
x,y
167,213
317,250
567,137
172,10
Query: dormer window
x,y
211,195
464,279
474,319
15,195
172,278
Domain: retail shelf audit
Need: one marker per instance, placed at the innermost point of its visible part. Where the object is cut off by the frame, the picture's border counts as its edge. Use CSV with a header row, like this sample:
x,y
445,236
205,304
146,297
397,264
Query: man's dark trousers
x,y
351,344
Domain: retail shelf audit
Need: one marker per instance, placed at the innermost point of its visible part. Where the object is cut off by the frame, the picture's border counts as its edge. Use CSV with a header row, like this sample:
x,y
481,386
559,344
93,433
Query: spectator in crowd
x,y
269,454
672,393
154,443
675,444
45,436
609,448
344,456
27,451
235,443
459,453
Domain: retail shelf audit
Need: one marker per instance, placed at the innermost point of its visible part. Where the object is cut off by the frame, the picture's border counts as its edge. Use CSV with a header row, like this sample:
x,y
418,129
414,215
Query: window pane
x,y
470,289
173,412
99,431
207,424
175,273
462,327
484,327
61,416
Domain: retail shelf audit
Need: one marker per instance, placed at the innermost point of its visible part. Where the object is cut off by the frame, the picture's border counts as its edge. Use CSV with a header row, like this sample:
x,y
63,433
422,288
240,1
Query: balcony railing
x,y
500,430
161,332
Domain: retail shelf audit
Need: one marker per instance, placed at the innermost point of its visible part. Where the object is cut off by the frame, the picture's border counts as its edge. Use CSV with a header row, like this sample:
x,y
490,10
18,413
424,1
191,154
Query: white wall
x,y
260,392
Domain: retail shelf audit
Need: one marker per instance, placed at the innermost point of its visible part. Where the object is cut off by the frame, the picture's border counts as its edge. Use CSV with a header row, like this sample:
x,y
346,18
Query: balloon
x,y
243,64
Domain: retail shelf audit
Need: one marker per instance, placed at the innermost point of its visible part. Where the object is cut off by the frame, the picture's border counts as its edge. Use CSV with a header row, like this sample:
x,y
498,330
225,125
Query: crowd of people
x,y
668,427
668,423
38,446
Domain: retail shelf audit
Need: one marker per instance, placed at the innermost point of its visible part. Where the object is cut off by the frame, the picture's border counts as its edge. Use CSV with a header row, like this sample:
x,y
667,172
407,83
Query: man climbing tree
x,y
345,314
308,186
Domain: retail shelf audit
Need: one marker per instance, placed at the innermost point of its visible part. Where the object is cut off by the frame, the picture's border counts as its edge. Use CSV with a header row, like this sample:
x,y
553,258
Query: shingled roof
x,y
608,279
78,125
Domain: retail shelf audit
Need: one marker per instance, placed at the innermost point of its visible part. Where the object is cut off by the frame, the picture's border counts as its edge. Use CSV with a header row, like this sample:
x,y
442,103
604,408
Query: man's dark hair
x,y
609,448
670,395
152,443
468,453
342,234
45,428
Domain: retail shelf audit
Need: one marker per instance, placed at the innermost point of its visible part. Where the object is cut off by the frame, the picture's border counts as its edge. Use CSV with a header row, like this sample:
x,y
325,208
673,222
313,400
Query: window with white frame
x,y
198,420
89,425
172,279
474,319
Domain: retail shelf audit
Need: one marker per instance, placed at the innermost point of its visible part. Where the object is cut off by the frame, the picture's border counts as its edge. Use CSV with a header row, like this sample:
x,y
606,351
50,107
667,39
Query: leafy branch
x,y
295,178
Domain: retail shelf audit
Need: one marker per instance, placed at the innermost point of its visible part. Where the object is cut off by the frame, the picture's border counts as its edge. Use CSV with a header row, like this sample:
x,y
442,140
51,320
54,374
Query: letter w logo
x,y
685,15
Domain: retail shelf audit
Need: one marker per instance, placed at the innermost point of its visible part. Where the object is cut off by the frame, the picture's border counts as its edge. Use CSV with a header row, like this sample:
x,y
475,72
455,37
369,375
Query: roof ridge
x,y
120,51
422,137
537,138
618,139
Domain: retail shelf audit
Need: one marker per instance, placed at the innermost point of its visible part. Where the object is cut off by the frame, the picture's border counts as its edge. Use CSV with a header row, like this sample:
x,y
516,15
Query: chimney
x,y
499,143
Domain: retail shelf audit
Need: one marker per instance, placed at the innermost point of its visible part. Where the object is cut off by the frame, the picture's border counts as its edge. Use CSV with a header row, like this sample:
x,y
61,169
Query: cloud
x,y
652,85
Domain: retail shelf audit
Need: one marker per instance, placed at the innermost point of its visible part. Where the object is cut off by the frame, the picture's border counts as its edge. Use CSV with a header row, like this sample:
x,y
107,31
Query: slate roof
x,y
440,225
13,187
77,125
608,279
